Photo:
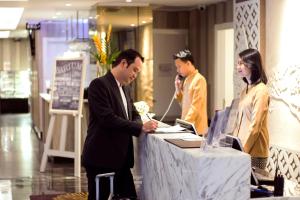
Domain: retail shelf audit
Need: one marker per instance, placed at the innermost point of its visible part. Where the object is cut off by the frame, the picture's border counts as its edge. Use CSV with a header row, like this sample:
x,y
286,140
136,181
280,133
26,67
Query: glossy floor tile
x,y
20,155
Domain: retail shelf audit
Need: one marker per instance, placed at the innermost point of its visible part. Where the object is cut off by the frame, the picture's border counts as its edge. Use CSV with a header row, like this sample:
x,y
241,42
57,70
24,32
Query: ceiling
x,y
39,10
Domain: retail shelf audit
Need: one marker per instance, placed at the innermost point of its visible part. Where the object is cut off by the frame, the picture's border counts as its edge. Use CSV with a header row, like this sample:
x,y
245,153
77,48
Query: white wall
x,y
53,48
224,66
166,42
15,54
283,70
59,47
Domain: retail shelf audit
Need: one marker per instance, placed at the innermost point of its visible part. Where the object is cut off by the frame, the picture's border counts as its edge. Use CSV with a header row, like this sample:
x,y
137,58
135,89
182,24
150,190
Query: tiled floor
x,y
20,154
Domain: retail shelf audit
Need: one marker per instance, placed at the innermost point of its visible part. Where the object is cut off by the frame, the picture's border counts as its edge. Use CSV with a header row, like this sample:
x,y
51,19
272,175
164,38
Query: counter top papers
x,y
171,129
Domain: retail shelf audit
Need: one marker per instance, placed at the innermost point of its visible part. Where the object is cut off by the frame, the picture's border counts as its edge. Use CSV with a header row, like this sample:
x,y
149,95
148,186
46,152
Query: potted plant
x,y
103,51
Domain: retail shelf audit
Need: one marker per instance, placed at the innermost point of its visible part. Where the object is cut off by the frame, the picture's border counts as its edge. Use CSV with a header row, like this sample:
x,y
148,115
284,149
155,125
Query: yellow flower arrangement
x,y
103,52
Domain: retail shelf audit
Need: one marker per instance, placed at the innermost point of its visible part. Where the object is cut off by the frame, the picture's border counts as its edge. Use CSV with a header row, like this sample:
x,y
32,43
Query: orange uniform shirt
x,y
252,120
193,101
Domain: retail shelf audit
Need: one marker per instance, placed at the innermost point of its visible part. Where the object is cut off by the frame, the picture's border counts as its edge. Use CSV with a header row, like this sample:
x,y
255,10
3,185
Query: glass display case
x,y
14,91
14,84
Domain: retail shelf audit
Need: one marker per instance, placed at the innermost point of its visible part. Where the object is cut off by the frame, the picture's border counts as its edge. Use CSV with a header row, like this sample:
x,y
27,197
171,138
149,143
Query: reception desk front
x,y
173,173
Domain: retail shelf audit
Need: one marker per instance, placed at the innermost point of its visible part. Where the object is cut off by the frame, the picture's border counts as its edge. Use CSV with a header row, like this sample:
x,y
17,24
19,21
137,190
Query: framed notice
x,y
67,86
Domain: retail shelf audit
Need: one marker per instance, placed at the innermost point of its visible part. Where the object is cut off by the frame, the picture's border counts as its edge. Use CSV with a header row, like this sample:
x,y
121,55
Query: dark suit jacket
x,y
109,137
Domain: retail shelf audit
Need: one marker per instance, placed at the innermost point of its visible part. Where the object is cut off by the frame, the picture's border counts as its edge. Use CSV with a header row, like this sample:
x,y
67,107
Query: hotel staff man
x,y
191,92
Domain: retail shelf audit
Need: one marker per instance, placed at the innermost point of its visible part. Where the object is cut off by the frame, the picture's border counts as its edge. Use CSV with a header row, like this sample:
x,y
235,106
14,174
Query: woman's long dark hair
x,y
252,60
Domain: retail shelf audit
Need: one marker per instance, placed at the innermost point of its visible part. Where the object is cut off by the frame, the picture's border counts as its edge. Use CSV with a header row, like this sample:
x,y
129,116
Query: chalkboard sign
x,y
67,88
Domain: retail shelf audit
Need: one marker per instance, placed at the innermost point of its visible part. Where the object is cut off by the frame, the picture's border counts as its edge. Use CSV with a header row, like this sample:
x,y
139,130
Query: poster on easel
x,y
67,86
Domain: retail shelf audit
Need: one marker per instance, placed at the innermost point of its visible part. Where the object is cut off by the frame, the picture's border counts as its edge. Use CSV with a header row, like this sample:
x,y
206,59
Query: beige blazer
x,y
252,120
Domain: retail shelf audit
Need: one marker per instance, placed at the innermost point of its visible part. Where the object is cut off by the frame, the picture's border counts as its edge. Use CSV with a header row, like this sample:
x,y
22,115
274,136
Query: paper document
x,y
191,137
171,129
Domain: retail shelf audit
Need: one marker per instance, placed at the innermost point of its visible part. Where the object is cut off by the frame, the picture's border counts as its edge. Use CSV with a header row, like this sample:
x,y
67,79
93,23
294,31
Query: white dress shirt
x,y
123,97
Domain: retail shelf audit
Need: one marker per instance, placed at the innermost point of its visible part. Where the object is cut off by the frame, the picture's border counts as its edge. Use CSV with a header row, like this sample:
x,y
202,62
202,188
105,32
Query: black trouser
x,y
123,183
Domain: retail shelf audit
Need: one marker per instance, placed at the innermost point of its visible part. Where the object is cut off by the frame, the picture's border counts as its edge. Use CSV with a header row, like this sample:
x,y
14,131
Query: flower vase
x,y
102,69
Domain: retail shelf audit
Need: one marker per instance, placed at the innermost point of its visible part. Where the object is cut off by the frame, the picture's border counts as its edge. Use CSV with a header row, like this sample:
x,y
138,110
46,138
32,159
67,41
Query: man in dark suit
x,y
113,121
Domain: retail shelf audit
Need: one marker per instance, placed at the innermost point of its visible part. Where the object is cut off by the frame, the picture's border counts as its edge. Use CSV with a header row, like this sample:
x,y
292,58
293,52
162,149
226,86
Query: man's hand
x,y
178,84
150,126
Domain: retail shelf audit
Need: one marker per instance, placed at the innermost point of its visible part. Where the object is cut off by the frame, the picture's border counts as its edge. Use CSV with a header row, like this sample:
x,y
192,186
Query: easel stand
x,y
61,152
66,99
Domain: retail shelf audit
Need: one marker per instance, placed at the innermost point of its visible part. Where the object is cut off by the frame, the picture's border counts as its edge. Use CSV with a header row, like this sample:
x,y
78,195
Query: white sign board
x,y
67,86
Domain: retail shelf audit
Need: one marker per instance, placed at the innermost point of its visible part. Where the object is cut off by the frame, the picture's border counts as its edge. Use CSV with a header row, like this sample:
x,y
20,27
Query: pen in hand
x,y
148,116
150,126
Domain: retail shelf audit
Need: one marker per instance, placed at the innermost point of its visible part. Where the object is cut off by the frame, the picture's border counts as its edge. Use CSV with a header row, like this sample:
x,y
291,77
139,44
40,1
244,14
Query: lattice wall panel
x,y
288,162
246,32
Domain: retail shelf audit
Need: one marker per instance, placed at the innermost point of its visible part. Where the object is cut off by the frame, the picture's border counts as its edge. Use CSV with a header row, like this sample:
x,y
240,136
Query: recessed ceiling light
x,y
90,17
132,24
144,22
54,17
4,34
10,17
68,4
58,13
128,1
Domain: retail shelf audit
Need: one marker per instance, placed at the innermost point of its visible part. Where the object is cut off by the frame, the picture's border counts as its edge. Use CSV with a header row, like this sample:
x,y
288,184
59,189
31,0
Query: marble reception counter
x,y
172,173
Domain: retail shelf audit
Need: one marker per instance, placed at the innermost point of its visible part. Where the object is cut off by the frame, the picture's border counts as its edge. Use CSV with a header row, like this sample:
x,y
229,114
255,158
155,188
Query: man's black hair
x,y
129,55
184,55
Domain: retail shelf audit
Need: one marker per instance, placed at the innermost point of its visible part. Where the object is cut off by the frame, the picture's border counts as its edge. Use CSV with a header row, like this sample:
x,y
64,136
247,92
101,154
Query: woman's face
x,y
242,69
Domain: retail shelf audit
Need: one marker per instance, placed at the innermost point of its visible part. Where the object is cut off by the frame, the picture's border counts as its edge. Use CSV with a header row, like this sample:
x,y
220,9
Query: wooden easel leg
x,y
47,145
63,133
77,147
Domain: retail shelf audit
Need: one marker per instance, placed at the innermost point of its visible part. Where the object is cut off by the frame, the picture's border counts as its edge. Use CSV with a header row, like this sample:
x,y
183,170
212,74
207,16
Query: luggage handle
x,y
111,181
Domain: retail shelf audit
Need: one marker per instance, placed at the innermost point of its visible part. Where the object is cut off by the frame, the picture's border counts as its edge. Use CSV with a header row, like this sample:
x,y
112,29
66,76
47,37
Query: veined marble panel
x,y
173,173
284,84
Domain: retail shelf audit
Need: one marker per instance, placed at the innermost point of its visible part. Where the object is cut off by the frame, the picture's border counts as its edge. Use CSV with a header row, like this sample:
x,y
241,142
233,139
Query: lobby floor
x,y
20,155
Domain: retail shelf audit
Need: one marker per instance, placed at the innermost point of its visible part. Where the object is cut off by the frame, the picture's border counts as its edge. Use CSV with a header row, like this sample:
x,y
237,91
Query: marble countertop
x,y
220,152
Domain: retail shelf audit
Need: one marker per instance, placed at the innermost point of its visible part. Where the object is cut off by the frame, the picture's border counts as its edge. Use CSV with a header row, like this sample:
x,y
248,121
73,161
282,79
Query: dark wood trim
x,y
240,1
